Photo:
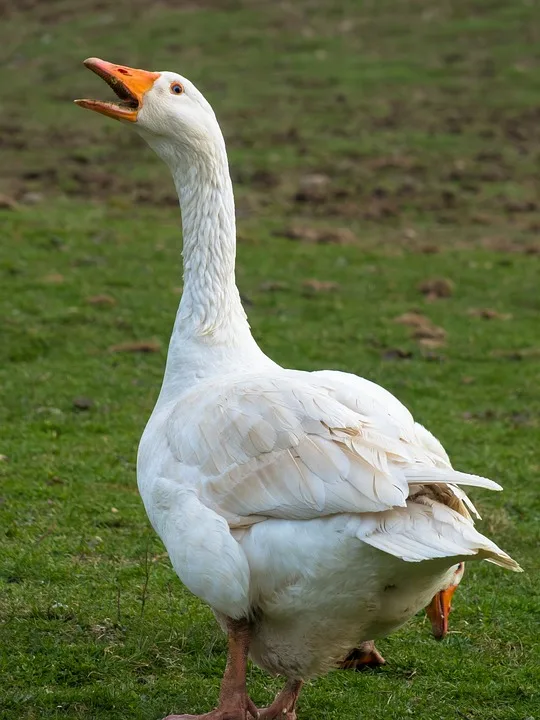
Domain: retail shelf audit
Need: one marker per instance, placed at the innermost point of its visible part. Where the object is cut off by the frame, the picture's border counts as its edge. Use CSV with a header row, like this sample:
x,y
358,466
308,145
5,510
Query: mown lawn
x,y
422,122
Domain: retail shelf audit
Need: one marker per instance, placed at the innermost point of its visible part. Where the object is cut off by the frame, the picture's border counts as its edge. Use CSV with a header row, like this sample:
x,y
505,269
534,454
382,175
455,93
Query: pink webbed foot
x,y
240,707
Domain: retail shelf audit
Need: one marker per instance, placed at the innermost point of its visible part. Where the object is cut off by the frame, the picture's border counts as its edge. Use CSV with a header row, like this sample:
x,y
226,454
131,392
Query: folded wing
x,y
286,445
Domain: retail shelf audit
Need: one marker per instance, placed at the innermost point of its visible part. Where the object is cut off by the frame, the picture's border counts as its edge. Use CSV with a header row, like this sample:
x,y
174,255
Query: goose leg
x,y
284,706
365,655
234,702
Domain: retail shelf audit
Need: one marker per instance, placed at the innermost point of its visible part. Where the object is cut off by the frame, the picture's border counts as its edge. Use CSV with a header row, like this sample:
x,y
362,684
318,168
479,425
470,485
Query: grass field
x,y
421,123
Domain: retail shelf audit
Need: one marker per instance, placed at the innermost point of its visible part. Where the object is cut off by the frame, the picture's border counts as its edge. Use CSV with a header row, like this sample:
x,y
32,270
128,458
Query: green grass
x,y
424,116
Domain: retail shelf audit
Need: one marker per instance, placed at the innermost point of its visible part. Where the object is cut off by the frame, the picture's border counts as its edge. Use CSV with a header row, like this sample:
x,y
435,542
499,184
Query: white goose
x,y
308,509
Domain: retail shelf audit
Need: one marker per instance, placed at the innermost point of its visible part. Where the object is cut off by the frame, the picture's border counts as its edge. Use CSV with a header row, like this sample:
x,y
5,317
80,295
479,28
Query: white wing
x,y
293,445
369,398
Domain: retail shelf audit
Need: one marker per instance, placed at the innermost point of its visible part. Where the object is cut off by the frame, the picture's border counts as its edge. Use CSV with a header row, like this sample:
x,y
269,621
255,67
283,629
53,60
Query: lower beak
x,y
438,611
128,83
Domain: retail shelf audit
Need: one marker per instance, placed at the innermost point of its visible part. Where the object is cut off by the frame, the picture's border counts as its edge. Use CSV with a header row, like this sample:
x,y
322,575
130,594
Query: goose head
x,y
441,605
164,107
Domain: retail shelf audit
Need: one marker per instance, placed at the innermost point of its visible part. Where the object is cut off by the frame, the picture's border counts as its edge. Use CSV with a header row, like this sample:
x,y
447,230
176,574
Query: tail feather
x,y
426,475
426,530
505,561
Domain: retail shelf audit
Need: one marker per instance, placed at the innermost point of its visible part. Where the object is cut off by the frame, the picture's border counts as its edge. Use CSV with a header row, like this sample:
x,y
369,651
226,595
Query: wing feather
x,y
295,445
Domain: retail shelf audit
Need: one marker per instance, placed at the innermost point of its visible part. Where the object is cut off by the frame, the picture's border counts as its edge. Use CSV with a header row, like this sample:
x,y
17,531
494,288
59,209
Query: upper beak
x,y
438,611
128,83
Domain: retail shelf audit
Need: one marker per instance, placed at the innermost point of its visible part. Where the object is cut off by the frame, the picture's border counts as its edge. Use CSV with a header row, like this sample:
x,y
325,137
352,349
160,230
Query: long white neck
x,y
211,331
210,302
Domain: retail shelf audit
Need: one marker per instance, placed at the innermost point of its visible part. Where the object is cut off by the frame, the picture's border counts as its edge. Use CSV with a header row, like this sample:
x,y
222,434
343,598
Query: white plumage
x,y
273,491
311,505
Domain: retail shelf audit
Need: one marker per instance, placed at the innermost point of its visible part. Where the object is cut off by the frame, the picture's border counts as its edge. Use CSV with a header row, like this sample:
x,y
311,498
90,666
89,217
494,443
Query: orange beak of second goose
x,y
129,84
438,611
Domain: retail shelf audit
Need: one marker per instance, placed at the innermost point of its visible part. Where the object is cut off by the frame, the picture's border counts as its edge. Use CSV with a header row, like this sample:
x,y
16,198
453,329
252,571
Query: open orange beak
x,y
438,611
128,83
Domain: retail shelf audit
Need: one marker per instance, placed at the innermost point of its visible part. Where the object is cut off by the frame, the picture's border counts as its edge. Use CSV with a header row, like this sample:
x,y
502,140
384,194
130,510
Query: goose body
x,y
311,501
354,592
308,509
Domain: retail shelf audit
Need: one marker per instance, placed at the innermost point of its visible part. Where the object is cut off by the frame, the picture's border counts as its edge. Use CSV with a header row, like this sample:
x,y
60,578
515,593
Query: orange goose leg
x,y
284,706
234,702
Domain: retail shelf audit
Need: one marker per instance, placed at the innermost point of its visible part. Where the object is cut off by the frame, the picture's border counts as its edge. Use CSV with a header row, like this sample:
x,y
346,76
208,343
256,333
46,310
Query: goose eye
x,y
176,88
